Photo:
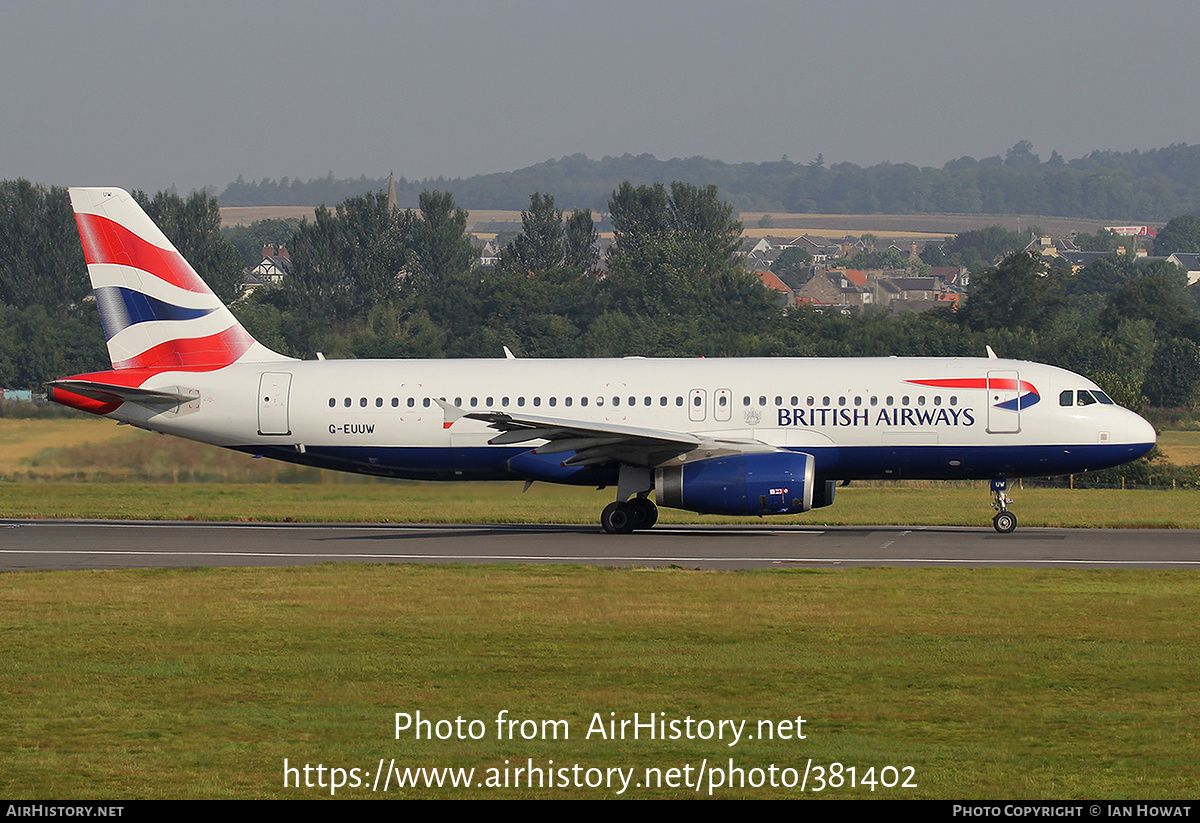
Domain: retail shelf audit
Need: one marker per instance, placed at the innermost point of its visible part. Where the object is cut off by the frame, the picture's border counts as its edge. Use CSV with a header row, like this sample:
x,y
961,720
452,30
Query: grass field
x,y
987,683
998,683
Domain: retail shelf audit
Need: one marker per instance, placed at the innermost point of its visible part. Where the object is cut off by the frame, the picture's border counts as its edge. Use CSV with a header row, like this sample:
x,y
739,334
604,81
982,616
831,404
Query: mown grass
x,y
932,504
998,683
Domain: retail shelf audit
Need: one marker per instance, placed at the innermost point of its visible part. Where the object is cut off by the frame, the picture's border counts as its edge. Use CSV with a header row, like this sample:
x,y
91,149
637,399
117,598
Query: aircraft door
x,y
273,389
697,400
1004,402
722,404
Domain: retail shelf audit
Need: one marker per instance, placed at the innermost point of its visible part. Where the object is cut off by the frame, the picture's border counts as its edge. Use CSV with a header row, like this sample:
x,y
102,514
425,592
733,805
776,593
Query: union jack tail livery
x,y
156,311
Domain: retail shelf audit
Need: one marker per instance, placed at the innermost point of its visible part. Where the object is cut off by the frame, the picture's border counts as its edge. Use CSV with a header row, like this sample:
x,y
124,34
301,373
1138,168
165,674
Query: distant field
x,y
1180,447
888,226
911,225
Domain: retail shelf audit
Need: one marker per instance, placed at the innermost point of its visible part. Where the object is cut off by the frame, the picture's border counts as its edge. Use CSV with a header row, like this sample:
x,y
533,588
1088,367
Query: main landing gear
x,y
1004,521
633,508
624,518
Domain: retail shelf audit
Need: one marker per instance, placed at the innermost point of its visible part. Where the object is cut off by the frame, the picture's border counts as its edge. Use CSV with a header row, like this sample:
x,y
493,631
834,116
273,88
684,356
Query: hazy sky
x,y
149,94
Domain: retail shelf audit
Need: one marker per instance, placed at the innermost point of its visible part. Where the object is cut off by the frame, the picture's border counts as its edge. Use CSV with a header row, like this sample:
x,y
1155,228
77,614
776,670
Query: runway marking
x,y
535,558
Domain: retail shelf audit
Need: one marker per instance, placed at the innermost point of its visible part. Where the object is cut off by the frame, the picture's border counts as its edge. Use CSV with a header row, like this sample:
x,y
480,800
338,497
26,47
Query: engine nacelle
x,y
772,483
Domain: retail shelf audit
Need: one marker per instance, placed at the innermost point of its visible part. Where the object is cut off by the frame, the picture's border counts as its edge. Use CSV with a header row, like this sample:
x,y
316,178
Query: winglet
x,y
508,355
991,354
453,413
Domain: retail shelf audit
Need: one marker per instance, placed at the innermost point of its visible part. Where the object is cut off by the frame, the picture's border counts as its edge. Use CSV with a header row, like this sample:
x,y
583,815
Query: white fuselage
x,y
861,418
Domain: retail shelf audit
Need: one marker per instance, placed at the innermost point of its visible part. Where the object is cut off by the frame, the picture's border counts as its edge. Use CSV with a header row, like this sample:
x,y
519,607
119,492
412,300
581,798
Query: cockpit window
x,y
1067,398
1103,398
1085,398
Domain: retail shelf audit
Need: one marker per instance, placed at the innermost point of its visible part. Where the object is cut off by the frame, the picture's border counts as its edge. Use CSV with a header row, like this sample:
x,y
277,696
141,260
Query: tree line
x,y
1150,185
371,280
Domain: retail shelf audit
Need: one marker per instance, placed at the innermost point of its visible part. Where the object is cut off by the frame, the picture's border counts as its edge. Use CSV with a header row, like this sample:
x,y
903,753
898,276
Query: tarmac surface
x,y
51,544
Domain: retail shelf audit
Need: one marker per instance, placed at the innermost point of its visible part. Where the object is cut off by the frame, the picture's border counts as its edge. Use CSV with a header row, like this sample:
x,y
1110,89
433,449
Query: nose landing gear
x,y
1004,521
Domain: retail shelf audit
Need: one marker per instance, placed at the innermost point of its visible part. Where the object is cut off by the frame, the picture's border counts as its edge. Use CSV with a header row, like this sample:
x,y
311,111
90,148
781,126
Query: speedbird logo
x,y
1006,384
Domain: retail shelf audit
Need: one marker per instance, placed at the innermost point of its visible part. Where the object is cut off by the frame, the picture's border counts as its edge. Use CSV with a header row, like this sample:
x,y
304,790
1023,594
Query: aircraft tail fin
x,y
156,311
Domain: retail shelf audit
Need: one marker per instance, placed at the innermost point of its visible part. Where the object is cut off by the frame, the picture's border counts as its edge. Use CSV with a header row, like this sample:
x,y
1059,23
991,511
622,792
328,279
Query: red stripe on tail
x,y
105,241
193,354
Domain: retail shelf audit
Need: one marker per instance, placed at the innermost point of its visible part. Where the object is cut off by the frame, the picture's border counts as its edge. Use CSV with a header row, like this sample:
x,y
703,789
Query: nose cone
x,y
1138,432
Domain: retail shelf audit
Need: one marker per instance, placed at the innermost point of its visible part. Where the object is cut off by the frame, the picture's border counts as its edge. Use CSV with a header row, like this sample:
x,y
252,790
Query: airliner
x,y
709,435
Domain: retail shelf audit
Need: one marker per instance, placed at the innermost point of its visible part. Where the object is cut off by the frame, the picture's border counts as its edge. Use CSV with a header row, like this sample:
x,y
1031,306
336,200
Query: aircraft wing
x,y
594,442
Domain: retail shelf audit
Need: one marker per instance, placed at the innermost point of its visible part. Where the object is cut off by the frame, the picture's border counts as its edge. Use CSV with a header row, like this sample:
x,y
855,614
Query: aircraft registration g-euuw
x,y
710,435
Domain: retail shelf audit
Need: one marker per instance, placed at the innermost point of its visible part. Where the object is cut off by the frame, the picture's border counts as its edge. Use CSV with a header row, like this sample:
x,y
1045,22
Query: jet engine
x,y
771,483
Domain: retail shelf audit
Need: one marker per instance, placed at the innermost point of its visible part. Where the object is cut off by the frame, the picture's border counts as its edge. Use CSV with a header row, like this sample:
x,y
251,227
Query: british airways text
x,y
884,417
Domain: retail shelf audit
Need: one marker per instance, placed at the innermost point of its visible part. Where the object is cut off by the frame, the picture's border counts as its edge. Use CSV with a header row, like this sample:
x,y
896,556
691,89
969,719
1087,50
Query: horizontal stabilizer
x,y
110,393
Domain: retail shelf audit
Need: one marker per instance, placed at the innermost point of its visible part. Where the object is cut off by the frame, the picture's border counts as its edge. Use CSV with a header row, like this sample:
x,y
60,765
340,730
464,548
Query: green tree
x,y
1174,374
1020,293
1181,234
1103,240
41,260
674,261
792,266
439,238
249,240
347,260
540,245
580,248
1155,293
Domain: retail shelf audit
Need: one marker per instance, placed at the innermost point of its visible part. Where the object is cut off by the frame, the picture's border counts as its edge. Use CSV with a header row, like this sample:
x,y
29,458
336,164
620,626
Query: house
x,y
275,265
1190,263
784,294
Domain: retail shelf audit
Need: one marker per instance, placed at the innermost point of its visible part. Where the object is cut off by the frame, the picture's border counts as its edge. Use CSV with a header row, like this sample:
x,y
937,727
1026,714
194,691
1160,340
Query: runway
x,y
46,544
